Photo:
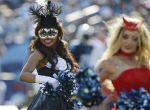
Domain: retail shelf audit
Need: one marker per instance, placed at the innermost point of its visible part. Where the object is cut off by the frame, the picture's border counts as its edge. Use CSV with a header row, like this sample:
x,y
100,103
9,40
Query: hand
x,y
54,82
108,90
109,85
43,79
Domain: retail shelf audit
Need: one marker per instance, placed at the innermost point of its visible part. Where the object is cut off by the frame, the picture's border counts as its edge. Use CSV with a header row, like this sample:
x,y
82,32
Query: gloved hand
x,y
54,82
43,79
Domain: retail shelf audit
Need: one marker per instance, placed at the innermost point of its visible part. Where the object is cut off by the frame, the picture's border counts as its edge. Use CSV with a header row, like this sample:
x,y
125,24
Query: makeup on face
x,y
129,41
131,35
48,33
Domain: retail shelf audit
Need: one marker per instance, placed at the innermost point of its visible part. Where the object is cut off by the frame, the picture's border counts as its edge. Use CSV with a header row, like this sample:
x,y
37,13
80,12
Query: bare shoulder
x,y
37,55
105,65
104,69
32,61
65,42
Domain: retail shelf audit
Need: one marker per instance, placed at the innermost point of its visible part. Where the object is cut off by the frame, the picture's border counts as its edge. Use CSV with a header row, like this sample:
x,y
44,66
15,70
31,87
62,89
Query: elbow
x,y
27,77
102,79
21,77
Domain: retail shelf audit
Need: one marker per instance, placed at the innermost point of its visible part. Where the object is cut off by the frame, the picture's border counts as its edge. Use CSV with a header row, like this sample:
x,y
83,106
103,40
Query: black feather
x,y
35,13
46,16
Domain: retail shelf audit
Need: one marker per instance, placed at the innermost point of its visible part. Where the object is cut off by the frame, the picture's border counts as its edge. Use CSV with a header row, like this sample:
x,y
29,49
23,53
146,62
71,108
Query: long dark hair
x,y
51,53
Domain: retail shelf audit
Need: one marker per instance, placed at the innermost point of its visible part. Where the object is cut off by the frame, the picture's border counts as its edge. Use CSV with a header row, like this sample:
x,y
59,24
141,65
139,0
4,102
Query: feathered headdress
x,y
45,14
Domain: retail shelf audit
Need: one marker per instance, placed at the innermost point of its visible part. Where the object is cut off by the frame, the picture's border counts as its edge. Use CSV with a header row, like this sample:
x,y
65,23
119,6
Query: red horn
x,y
129,25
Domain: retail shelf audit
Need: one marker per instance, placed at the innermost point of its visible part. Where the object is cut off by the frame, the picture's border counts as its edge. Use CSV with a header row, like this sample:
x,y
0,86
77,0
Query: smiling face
x,y
48,37
129,41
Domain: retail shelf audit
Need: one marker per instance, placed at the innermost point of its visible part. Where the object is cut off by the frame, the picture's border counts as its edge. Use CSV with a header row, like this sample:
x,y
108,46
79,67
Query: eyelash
x,y
126,37
136,39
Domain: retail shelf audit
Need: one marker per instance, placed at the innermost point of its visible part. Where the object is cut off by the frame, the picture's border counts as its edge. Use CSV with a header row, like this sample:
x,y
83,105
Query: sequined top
x,y
46,71
133,78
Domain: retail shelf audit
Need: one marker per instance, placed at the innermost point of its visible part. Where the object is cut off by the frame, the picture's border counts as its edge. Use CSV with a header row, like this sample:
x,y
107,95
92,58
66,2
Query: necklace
x,y
128,58
125,54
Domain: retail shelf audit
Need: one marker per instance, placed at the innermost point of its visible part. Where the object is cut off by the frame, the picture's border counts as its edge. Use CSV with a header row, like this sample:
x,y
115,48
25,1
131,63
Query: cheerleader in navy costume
x,y
52,60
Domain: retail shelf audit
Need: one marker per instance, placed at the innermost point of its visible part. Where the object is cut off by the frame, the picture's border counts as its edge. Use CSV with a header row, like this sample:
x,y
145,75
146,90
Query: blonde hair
x,y
116,31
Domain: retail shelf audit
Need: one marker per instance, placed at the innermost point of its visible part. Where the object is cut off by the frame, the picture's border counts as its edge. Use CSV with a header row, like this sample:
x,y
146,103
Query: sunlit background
x,y
78,17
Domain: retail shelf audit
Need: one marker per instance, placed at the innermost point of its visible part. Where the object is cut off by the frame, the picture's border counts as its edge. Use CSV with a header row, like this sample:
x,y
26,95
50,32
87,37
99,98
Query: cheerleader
x,y
125,65
50,57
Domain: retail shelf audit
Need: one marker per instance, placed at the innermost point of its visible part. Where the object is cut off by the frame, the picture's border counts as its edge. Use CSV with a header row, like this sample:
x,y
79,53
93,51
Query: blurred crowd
x,y
85,31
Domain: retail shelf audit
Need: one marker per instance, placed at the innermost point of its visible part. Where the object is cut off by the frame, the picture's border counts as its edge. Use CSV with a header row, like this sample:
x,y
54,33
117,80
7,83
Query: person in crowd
x,y
82,51
87,44
125,64
49,52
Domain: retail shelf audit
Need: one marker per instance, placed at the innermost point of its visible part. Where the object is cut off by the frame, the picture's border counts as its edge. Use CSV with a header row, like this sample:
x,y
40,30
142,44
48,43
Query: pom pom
x,y
89,88
135,100
68,88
